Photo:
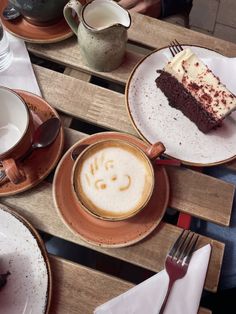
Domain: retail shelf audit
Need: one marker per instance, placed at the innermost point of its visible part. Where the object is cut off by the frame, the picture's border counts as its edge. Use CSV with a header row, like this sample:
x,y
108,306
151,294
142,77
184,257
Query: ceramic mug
x,y
114,179
101,32
16,133
40,12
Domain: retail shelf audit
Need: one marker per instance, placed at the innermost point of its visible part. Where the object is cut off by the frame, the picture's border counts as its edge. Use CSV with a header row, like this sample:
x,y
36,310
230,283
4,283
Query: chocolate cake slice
x,y
191,87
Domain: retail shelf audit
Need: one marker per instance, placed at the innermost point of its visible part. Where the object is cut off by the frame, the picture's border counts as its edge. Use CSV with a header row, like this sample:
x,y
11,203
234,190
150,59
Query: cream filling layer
x,y
203,85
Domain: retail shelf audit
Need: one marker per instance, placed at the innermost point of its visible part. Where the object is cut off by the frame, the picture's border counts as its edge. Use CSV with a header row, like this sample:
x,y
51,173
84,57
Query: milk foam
x,y
9,136
102,16
114,180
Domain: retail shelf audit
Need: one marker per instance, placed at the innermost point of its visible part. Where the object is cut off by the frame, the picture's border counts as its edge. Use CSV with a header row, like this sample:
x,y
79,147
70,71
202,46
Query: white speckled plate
x,y
156,120
22,253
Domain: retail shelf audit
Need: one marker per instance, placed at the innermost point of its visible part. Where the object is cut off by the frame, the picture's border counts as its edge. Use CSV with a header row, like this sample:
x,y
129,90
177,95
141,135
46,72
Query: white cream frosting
x,y
199,80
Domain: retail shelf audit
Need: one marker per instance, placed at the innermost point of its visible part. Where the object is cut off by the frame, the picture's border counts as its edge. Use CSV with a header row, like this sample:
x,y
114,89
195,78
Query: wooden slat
x,y
77,74
66,119
84,100
79,290
191,192
155,34
68,53
98,105
38,207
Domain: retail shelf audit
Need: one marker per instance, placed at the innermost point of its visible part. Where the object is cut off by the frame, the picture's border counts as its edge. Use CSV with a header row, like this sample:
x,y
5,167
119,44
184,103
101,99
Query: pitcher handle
x,y
73,6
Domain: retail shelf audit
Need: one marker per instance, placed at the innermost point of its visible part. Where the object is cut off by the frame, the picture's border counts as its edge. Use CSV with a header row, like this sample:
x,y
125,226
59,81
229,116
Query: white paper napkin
x,y
148,296
20,74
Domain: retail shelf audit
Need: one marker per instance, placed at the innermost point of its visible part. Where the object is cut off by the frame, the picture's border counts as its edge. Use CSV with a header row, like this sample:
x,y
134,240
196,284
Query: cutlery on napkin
x,y
148,296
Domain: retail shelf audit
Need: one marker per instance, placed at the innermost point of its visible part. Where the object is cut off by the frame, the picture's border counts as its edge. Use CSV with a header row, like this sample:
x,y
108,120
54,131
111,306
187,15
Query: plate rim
x,y
188,163
55,39
41,246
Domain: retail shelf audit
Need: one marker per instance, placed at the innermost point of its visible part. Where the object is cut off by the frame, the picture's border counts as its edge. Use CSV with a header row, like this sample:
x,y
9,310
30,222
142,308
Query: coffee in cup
x,y
16,132
40,12
113,179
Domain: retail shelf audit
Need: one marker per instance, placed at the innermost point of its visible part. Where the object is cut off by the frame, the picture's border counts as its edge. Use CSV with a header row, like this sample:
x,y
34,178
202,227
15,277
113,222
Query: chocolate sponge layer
x,y
181,99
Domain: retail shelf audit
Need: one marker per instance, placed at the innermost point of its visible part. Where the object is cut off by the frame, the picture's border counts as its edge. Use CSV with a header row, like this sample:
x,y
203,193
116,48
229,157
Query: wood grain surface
x,y
38,207
79,290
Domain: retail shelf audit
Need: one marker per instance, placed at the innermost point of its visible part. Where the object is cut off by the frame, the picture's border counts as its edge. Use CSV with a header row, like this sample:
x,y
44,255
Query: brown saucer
x,y
35,34
100,232
42,160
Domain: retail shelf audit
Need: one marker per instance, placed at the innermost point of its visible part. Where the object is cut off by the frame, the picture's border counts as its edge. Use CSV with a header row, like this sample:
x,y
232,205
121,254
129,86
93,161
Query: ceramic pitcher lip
x,y
83,20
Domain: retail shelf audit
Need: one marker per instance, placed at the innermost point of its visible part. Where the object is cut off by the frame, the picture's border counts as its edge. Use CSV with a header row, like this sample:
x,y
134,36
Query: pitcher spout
x,y
108,14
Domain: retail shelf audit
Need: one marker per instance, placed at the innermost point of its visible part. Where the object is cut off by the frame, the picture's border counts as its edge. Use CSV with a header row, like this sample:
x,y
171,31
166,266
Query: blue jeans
x,y
226,235
170,7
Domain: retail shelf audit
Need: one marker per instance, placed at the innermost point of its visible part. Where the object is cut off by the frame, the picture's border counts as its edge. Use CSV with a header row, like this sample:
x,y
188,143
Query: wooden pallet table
x,y
75,96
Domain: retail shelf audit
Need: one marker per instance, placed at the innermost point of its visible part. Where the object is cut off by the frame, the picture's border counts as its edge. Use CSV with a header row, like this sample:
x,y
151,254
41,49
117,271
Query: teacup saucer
x,y
36,34
101,232
42,160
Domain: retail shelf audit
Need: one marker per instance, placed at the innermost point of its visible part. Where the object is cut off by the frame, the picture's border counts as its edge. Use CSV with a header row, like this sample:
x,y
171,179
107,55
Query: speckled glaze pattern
x,y
41,162
101,49
101,232
8,158
21,28
28,287
156,120
40,11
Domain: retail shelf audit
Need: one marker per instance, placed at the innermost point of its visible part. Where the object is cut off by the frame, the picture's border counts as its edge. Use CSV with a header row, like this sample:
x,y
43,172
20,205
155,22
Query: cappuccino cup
x,y
40,12
16,133
114,179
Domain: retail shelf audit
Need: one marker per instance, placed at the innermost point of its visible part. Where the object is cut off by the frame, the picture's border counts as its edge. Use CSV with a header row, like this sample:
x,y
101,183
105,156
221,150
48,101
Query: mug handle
x,y
14,174
155,150
71,9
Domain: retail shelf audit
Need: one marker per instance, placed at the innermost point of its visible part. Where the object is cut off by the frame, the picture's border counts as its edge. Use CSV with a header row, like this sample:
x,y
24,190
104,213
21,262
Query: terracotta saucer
x,y
36,34
100,232
42,160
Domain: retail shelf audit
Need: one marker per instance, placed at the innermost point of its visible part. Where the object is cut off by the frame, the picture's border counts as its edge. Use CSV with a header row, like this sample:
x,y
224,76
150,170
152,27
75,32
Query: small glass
x,y
5,50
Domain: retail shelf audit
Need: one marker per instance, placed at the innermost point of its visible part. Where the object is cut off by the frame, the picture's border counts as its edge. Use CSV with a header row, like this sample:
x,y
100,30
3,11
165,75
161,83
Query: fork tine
x,y
184,246
175,47
184,249
178,45
176,245
187,251
171,50
191,250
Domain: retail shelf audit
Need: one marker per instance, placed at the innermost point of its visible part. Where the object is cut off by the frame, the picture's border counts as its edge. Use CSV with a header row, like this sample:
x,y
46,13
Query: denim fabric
x,y
170,7
226,235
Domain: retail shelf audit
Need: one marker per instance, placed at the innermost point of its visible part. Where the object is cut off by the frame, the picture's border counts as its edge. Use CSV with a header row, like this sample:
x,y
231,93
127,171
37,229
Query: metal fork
x,y
177,260
175,47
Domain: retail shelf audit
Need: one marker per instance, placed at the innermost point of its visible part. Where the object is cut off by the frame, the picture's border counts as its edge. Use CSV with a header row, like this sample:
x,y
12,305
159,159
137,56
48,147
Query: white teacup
x,y
114,179
16,129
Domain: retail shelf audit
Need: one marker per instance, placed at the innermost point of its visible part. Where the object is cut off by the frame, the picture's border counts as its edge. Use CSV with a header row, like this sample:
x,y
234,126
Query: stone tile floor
x,y
213,17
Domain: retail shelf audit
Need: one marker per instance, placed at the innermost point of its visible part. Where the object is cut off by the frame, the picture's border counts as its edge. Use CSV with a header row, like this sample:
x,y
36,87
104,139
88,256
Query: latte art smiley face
x,y
114,180
107,169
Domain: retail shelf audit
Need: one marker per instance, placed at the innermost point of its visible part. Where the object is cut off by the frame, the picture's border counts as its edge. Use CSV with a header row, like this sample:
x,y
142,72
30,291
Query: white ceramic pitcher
x,y
101,32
